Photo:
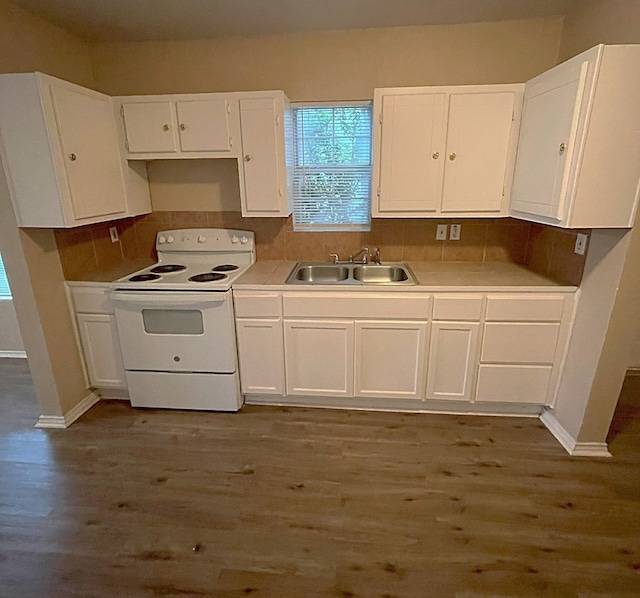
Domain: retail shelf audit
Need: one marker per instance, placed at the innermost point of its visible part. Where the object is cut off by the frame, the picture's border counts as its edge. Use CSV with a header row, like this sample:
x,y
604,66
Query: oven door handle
x,y
169,299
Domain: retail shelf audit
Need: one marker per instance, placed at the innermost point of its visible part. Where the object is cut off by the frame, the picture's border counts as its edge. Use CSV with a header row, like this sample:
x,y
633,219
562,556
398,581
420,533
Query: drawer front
x,y
257,305
388,306
525,309
458,308
91,300
519,343
513,384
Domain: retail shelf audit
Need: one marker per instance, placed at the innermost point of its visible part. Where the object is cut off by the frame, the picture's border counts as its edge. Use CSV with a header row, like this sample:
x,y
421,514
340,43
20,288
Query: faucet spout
x,y
364,252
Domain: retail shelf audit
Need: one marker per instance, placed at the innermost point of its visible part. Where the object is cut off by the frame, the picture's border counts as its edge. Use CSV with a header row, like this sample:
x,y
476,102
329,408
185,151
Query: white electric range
x,y
176,322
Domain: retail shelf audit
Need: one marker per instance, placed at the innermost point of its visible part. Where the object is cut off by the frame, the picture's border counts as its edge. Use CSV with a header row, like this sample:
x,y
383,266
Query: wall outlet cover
x,y
455,232
581,243
441,232
113,232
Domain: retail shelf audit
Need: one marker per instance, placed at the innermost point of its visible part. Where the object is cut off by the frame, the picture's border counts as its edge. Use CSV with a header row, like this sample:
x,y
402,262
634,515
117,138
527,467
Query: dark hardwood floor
x,y
302,503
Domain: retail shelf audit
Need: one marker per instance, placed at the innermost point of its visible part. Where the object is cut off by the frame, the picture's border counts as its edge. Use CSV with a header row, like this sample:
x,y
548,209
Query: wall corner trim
x,y
572,446
61,422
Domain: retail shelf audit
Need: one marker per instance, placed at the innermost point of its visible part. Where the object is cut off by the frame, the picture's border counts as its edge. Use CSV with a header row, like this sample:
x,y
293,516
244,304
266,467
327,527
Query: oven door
x,y
173,331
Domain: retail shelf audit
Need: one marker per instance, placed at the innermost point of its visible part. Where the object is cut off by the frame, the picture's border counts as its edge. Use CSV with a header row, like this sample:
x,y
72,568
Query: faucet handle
x,y
336,257
376,255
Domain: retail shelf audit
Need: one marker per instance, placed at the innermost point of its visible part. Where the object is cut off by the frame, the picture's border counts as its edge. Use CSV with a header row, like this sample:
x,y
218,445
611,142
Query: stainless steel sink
x,y
326,273
379,274
321,273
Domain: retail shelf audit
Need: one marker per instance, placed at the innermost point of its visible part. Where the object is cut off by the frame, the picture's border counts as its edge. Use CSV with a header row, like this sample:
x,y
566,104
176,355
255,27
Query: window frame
x,y
298,172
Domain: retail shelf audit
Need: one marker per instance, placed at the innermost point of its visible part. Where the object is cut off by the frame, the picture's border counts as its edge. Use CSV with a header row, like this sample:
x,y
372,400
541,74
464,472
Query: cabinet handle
x,y
435,155
230,141
279,191
73,157
247,158
165,127
182,126
563,146
453,156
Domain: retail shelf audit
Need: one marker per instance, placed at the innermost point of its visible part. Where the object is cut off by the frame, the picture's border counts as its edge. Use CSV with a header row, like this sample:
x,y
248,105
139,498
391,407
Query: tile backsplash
x,y
544,249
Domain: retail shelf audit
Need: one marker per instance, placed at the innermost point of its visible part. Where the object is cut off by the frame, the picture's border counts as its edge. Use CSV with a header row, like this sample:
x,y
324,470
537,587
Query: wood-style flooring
x,y
289,502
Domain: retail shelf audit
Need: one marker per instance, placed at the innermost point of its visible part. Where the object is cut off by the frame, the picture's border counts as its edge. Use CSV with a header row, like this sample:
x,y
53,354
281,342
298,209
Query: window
x,y
5,292
332,167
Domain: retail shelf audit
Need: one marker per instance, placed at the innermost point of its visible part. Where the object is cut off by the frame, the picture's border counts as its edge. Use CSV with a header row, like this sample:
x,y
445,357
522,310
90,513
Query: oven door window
x,y
173,321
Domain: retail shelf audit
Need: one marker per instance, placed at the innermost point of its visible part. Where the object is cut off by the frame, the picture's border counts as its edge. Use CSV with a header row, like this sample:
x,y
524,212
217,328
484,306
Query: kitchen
x,y
506,53
196,188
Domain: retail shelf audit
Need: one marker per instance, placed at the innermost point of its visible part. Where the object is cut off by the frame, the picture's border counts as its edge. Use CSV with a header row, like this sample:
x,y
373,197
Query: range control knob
x,y
161,239
185,238
244,240
202,239
170,239
234,239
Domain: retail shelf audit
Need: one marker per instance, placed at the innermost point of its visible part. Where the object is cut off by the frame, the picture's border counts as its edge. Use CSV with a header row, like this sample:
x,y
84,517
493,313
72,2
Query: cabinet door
x,y
390,359
319,358
86,128
264,174
452,359
478,136
548,139
101,349
261,356
150,127
204,126
411,153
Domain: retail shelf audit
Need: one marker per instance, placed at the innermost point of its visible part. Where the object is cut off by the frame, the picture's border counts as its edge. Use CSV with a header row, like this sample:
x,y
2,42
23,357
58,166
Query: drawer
x,y
519,343
467,308
91,300
513,384
257,305
340,305
525,309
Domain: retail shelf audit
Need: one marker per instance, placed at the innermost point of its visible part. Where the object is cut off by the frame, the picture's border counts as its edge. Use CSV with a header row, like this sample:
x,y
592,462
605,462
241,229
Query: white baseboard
x,y
14,354
569,443
64,421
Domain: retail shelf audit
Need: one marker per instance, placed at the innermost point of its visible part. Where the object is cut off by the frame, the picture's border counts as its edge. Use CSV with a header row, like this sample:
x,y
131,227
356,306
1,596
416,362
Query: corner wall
x,y
28,43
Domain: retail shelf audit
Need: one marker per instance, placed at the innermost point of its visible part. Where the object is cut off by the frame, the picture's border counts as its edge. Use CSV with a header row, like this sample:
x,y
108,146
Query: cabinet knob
x,y
73,157
453,156
182,126
165,127
247,158
563,146
435,155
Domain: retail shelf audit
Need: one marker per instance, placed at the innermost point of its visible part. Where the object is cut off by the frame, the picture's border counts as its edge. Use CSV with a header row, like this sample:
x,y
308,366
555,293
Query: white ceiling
x,y
139,20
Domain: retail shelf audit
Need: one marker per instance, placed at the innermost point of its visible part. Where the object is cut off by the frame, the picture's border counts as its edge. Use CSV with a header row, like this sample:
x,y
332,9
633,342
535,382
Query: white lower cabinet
x,y
97,334
389,359
452,360
261,356
319,357
378,349
99,338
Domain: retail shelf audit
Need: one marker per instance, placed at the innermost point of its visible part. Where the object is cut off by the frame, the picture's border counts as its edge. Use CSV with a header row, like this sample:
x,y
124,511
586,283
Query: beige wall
x,y
27,44
337,65
600,22
588,419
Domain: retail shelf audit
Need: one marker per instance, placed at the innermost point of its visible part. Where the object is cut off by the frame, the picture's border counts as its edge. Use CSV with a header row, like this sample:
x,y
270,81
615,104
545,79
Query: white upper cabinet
x,y
444,151
578,162
61,154
263,165
179,126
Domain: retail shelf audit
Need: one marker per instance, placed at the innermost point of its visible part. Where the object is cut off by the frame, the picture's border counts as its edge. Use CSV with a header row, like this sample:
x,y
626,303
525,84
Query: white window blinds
x,y
5,292
332,167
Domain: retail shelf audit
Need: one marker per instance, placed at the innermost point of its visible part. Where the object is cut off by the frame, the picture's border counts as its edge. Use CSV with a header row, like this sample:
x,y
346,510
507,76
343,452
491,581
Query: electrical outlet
x,y
455,232
113,231
441,232
581,244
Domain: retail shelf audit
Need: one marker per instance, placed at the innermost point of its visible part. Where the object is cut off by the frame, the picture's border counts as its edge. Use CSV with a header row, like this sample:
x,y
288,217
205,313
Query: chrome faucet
x,y
336,258
376,255
364,252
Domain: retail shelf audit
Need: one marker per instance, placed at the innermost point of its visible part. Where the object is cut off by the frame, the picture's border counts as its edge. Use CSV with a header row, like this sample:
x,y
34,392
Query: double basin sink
x,y
326,273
